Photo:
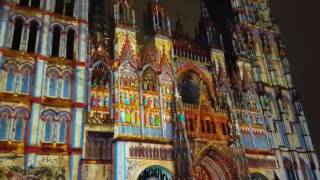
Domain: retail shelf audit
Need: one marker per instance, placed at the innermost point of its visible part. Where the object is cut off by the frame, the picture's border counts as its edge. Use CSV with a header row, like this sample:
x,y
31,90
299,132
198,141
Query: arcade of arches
x,y
214,165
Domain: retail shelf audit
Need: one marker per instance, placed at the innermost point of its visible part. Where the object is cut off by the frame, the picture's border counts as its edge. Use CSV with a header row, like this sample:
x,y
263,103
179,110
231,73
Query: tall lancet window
x,y
59,6
24,2
4,124
25,82
56,37
32,40
17,34
66,86
19,125
61,126
70,44
11,79
55,126
52,83
35,3
65,7
69,8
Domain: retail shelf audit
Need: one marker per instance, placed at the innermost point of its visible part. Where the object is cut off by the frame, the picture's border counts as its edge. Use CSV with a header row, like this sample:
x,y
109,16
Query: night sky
x,y
299,23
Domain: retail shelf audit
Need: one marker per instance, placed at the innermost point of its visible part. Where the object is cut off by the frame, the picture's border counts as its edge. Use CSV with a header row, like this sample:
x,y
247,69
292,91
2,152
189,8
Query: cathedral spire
x,y
124,13
160,19
204,10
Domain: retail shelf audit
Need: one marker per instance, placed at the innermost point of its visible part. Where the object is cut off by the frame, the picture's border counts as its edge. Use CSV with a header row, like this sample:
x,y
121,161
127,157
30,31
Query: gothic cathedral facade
x,y
87,92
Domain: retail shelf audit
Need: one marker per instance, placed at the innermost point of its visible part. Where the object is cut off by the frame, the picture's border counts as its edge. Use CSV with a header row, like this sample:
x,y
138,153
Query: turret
x,y
159,18
123,13
208,34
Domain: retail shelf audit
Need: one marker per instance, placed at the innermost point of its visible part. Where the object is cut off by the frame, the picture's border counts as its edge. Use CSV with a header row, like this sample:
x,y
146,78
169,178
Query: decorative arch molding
x,y
55,115
14,111
305,169
132,65
260,176
289,167
12,64
149,56
61,26
15,16
17,76
168,74
13,121
7,109
71,27
59,70
104,62
144,164
127,53
159,62
26,20
22,111
221,156
34,19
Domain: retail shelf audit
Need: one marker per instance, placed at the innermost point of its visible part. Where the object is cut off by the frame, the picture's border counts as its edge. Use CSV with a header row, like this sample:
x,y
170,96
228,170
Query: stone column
x,y
4,24
35,126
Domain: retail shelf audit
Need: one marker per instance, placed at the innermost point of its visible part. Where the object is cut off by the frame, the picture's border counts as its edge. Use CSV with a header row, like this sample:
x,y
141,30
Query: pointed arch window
x,y
32,40
55,127
59,6
52,84
69,8
35,3
4,125
48,131
121,12
56,37
62,130
65,7
100,76
61,127
11,79
17,34
49,118
66,86
289,169
25,82
70,44
24,2
19,126
224,129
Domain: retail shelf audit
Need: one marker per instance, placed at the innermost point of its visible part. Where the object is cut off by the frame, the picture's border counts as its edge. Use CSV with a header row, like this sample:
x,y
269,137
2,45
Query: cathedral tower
x,y
43,63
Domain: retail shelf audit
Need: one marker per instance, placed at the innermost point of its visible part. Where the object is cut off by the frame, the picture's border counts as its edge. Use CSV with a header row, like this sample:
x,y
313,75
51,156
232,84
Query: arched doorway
x,y
288,166
258,176
306,170
214,165
155,173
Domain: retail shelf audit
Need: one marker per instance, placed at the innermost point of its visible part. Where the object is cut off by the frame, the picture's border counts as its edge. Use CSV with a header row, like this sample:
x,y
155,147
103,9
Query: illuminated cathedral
x,y
86,92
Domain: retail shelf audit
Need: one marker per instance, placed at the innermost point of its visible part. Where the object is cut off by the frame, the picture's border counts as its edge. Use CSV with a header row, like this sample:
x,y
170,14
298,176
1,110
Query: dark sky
x,y
299,22
187,10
